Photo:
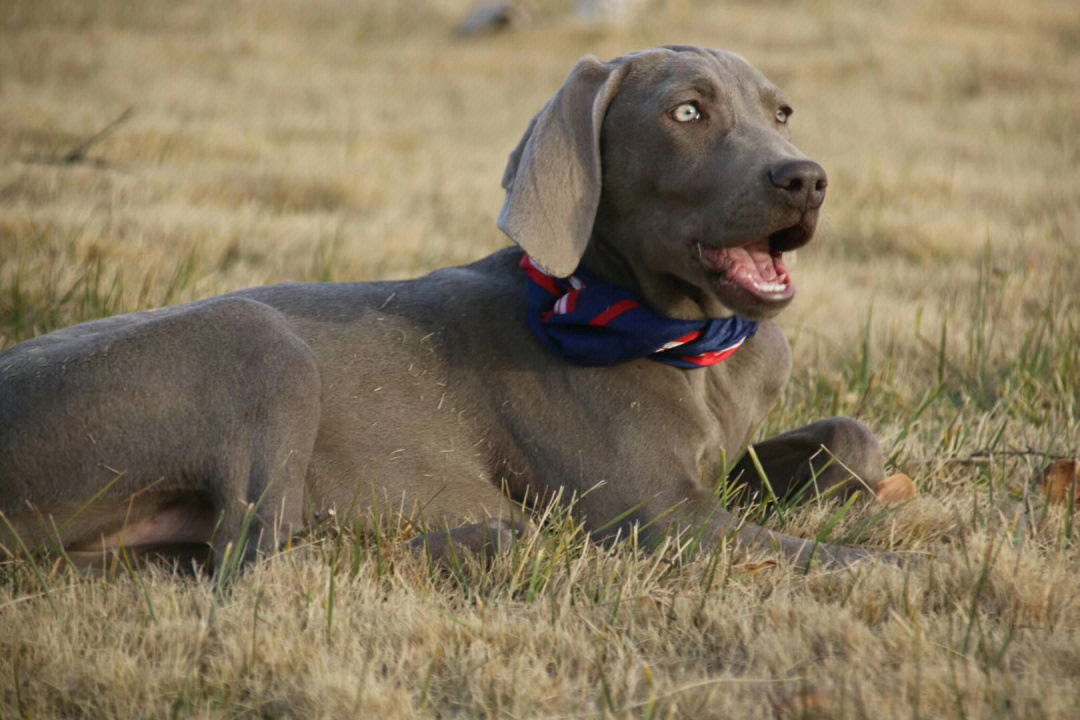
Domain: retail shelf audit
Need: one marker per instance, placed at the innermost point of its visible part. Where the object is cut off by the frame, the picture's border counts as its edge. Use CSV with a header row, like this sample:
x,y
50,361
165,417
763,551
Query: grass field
x,y
332,140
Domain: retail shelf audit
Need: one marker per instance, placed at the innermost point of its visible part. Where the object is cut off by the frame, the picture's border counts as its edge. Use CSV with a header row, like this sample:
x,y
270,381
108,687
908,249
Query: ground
x,y
332,140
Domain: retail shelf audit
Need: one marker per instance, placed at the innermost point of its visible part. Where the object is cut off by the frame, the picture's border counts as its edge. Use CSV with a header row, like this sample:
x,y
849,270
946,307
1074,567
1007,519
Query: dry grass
x,y
340,141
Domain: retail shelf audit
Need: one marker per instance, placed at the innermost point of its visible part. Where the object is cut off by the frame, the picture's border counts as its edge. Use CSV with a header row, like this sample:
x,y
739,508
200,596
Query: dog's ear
x,y
552,179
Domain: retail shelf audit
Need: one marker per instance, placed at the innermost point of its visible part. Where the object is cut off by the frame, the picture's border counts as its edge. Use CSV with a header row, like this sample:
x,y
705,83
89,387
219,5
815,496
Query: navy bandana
x,y
590,322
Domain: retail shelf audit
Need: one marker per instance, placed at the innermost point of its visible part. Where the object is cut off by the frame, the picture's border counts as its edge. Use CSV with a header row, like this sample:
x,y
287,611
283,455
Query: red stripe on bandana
x,y
712,358
613,312
540,278
686,338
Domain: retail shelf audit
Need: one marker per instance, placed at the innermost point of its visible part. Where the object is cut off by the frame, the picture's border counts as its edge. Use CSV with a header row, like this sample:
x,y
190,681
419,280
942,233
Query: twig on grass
x,y
984,457
77,154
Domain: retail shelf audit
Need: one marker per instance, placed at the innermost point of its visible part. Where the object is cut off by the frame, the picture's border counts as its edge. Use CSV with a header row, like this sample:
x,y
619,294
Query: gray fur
x,y
431,397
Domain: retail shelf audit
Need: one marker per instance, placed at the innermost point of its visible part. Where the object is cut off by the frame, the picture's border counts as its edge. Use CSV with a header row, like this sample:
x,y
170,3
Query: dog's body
x,y
432,397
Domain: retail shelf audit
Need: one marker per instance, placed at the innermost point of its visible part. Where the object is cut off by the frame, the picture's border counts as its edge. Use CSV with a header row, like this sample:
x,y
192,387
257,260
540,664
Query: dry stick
x,y
78,153
980,457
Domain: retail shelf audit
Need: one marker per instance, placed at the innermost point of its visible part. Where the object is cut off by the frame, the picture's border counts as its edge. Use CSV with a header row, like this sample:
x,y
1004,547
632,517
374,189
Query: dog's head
x,y
674,165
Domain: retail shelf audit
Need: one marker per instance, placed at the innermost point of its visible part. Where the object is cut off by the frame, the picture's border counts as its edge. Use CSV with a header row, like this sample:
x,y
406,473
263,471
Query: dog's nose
x,y
801,182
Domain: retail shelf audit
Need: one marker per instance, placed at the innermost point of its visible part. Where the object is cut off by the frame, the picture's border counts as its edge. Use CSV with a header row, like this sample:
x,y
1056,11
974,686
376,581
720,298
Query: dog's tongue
x,y
752,266
757,261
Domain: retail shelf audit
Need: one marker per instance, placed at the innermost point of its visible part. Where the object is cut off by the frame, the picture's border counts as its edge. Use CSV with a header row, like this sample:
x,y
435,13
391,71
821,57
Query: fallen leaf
x,y
647,604
755,568
1058,479
896,489
809,702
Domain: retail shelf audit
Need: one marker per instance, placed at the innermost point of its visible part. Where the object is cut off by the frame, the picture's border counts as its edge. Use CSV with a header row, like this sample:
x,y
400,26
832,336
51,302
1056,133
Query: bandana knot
x,y
591,322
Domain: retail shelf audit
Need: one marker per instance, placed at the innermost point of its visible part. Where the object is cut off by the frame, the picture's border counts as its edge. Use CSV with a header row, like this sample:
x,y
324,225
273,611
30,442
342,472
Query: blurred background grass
x,y
280,140
353,141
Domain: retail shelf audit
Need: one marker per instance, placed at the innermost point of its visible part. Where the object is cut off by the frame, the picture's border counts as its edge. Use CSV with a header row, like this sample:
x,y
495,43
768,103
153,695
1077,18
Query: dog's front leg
x,y
833,456
448,547
717,525
836,456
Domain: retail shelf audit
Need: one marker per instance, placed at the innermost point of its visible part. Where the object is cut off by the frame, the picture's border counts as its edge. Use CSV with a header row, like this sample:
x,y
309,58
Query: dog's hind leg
x,y
262,495
837,456
132,422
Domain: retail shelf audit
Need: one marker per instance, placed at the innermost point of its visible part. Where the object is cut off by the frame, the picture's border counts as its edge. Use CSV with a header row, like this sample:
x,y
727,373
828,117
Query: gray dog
x,y
623,354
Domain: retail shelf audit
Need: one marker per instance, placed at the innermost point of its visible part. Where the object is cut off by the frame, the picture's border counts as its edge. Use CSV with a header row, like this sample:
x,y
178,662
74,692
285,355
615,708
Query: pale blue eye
x,y
687,112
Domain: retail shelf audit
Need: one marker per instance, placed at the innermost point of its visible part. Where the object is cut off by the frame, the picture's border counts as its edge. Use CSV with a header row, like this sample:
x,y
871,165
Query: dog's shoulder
x,y
496,273
488,288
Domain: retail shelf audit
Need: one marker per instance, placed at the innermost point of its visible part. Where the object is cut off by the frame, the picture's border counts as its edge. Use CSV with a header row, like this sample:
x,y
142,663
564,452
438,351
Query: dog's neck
x,y
664,294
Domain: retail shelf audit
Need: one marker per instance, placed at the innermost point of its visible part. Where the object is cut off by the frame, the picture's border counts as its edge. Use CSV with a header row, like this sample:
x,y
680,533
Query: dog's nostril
x,y
801,182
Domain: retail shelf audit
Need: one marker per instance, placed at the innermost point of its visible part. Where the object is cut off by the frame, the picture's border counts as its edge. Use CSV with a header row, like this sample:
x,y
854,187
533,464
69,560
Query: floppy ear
x,y
552,179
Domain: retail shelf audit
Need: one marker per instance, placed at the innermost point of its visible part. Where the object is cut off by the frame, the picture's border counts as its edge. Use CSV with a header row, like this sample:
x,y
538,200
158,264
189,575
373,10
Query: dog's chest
x,y
578,427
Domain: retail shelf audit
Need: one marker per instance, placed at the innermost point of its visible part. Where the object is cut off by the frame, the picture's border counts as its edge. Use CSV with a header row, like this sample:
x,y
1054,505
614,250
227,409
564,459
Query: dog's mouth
x,y
754,268
755,271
